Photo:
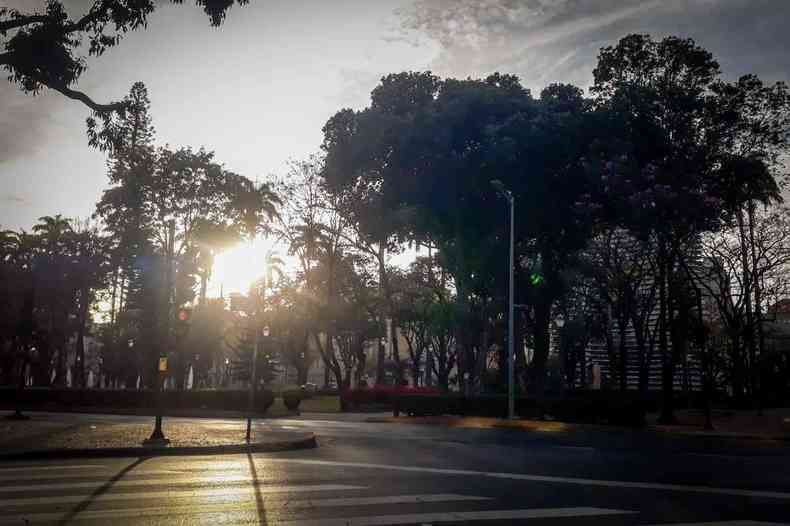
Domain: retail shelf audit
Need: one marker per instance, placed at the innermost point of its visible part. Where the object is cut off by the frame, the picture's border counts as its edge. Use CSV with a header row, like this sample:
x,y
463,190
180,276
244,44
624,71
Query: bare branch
x,y
85,99
15,23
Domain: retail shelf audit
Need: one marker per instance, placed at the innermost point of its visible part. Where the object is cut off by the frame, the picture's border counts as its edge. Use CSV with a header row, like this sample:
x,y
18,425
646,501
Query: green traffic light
x,y
536,279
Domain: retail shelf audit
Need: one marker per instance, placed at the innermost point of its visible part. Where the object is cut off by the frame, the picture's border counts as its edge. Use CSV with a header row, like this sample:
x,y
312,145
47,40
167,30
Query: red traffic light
x,y
184,314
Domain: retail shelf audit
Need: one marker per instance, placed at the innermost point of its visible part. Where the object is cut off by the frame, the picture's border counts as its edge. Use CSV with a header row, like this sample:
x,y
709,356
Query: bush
x,y
382,394
292,398
43,398
581,407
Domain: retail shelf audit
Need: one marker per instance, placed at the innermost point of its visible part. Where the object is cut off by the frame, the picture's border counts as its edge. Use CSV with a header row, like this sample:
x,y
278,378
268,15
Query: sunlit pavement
x,y
381,474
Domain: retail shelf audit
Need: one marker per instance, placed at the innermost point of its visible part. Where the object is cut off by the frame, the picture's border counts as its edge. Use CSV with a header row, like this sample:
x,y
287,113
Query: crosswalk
x,y
104,494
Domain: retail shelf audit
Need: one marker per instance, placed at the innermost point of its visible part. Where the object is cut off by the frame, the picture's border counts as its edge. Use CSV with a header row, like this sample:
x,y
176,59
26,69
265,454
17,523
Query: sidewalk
x,y
42,438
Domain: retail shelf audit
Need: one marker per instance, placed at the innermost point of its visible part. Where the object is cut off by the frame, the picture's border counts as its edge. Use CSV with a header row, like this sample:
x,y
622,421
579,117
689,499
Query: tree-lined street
x,y
498,293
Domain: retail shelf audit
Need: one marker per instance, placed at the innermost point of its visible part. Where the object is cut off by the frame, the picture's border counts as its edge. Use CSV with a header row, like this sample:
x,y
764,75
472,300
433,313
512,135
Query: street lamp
x,y
508,195
559,322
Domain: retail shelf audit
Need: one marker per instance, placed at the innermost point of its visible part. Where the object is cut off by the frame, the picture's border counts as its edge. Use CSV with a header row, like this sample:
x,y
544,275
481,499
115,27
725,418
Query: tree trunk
x,y
541,342
80,350
758,313
429,365
203,287
622,353
113,296
747,291
381,357
380,257
667,370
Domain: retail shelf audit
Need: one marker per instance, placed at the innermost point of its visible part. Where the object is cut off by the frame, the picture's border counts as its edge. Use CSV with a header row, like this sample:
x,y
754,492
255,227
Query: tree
x,y
430,148
378,223
728,291
662,169
90,275
43,49
169,211
617,278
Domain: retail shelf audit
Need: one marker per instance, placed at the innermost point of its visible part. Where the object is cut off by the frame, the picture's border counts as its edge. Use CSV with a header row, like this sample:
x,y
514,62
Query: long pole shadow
x,y
261,506
101,490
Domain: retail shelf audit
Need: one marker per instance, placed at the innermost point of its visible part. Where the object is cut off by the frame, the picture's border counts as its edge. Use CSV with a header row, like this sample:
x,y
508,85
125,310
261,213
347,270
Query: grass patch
x,y
319,404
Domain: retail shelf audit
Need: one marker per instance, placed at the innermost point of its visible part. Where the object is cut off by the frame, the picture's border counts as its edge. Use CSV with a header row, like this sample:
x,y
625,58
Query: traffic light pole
x,y
253,378
511,410
157,437
253,368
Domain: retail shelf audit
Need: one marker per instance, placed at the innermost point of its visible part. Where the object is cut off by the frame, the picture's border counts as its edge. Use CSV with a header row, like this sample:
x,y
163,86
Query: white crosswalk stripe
x,y
26,469
230,493
250,505
221,493
69,475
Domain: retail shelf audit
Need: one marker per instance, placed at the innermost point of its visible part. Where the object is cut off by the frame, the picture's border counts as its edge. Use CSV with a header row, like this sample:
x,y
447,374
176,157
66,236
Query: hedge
x,y
33,398
382,394
292,398
589,407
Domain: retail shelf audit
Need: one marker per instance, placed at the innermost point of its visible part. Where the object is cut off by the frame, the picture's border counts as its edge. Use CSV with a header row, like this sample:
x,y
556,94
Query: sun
x,y
238,267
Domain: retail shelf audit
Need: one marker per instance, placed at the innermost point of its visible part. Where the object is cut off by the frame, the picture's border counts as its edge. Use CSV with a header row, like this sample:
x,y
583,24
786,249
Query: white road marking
x,y
376,520
544,478
391,520
53,476
246,492
169,482
727,523
51,468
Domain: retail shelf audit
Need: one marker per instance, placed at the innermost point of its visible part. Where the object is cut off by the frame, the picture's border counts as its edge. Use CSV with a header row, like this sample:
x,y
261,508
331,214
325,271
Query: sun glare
x,y
238,267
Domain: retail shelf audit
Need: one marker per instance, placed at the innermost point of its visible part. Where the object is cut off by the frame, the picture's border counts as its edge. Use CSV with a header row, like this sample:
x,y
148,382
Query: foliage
x,y
45,48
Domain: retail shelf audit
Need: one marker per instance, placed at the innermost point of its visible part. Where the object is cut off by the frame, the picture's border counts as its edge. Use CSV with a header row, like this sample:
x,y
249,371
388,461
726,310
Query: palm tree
x,y
52,230
210,240
252,205
54,235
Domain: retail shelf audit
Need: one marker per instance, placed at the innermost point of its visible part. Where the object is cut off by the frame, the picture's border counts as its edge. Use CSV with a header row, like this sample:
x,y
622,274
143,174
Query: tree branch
x,y
14,23
85,99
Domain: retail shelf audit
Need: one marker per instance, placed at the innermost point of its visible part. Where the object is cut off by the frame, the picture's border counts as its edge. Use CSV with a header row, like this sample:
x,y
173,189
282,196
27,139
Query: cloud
x,y
26,122
547,41
10,198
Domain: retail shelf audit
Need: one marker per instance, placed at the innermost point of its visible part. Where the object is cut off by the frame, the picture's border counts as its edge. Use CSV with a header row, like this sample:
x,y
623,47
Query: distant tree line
x,y
649,212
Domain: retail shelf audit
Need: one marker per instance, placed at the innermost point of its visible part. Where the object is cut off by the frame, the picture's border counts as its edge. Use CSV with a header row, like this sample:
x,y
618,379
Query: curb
x,y
306,442
721,436
574,428
175,413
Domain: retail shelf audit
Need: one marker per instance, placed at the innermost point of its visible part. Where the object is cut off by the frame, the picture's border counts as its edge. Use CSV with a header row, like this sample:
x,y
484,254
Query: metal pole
x,y
253,379
511,410
158,436
253,367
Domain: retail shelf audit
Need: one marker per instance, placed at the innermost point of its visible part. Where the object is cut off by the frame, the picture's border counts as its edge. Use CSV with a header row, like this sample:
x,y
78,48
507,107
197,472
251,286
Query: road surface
x,y
392,474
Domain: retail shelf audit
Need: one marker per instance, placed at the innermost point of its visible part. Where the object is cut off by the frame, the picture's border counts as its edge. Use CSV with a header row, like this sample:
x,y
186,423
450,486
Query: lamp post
x,y
559,322
508,195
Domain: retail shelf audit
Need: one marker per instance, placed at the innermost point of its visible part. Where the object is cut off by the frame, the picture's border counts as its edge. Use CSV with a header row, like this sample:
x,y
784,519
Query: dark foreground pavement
x,y
386,474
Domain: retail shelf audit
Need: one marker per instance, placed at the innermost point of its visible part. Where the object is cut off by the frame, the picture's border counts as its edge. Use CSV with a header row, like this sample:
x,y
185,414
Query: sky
x,y
258,90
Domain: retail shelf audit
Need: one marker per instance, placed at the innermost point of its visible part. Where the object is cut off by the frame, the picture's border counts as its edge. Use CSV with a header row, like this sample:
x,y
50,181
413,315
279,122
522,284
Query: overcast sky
x,y
258,90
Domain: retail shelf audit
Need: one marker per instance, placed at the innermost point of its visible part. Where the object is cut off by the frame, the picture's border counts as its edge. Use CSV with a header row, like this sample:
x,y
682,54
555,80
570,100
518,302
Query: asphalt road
x,y
390,474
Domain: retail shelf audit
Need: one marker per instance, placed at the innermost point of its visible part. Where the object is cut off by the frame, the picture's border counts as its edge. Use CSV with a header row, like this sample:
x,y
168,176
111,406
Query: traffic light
x,y
536,276
184,315
183,321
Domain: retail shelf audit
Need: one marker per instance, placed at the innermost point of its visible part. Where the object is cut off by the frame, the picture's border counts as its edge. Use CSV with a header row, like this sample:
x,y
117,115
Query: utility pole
x,y
508,195
253,367
158,438
256,323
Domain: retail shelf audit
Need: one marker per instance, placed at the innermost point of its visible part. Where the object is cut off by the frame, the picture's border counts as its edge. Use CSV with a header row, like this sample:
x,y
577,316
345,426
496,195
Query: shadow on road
x,y
261,506
104,488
